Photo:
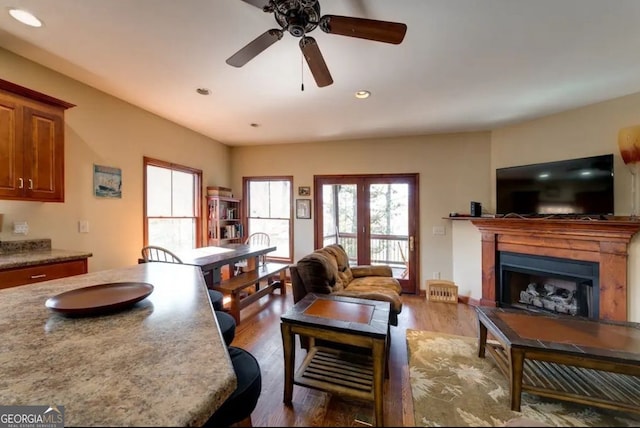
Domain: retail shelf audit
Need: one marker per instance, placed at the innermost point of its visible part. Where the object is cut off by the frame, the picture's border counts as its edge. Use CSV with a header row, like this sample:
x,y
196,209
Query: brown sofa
x,y
327,271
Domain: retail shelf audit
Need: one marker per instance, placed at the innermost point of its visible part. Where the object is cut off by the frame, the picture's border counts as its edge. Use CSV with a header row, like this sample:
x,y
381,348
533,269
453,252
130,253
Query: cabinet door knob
x,y
21,185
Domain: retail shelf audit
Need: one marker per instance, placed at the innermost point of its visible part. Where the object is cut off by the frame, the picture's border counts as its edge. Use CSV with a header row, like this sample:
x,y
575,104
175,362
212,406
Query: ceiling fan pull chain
x,y
302,72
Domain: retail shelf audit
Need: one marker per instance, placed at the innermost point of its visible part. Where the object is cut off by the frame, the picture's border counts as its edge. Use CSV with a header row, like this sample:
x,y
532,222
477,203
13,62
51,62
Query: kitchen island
x,y
161,362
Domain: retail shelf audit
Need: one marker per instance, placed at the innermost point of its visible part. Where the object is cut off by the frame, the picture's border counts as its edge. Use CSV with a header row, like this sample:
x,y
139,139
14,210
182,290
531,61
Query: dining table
x,y
213,260
158,361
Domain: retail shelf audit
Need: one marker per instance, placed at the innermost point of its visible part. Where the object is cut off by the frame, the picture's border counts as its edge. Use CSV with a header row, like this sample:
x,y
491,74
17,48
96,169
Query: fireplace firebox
x,y
551,284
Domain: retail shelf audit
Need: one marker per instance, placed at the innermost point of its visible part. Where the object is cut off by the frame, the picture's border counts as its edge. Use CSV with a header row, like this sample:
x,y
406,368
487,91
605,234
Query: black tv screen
x,y
568,187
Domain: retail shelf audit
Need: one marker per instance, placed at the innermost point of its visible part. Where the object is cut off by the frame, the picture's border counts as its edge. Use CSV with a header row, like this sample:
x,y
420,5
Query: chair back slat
x,y
154,253
258,238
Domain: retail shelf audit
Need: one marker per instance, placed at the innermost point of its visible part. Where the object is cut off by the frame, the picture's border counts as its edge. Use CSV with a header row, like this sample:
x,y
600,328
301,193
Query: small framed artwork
x,y
303,208
304,191
107,182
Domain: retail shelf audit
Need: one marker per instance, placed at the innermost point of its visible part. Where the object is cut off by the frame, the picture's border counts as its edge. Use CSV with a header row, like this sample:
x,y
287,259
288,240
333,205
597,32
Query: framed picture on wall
x,y
303,208
107,181
304,191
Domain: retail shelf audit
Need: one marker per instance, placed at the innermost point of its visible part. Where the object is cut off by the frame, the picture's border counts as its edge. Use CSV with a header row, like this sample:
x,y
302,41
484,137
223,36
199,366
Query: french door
x,y
374,218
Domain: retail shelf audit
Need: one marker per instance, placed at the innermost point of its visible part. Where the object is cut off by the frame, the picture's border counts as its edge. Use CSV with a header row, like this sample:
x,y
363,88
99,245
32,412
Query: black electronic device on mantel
x,y
476,209
581,186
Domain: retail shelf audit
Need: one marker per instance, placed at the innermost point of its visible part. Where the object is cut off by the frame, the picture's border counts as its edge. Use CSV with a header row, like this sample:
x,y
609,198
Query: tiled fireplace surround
x,y
600,241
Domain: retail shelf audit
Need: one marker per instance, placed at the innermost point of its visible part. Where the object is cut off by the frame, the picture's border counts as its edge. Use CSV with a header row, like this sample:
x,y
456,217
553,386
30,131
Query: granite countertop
x,y
33,252
162,362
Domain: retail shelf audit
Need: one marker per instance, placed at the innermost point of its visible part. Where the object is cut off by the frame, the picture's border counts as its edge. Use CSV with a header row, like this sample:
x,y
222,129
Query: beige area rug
x,y
452,386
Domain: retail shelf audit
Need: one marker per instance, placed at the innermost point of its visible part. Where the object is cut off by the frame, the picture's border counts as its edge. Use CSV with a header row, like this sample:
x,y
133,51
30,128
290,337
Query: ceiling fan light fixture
x,y
363,94
301,17
25,17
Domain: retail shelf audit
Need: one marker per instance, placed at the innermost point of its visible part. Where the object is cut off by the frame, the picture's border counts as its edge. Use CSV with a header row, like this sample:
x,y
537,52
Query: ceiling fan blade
x,y
253,48
316,63
261,4
370,29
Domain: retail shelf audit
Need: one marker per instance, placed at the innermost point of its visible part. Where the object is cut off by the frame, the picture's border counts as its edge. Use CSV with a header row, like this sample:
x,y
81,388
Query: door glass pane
x,y
340,215
389,240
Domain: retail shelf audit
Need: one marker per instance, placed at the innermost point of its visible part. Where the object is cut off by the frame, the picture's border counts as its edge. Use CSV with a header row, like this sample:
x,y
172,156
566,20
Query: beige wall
x,y
454,169
103,130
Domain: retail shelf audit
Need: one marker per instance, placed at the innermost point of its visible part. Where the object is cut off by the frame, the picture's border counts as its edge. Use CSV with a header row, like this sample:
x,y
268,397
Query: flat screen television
x,y
570,187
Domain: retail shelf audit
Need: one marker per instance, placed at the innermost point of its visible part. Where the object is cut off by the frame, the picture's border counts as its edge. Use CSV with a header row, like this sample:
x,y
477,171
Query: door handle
x,y
30,184
21,185
411,243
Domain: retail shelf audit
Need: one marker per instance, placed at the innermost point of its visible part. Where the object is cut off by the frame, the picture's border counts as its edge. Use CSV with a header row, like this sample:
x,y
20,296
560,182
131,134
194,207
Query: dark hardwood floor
x,y
259,333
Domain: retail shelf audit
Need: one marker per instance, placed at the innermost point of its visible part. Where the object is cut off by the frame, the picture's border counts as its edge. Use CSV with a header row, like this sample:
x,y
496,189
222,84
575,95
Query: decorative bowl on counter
x,y
99,299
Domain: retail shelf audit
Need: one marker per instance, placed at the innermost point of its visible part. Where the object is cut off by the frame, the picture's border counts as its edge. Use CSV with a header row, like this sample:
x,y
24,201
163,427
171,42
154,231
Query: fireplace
x,y
550,284
601,242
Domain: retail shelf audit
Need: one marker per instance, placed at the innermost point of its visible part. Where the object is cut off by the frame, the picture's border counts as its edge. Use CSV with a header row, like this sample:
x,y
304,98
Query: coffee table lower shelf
x,y
576,384
338,372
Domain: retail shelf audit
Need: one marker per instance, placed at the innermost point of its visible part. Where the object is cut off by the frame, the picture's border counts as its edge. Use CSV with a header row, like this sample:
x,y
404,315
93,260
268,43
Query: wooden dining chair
x,y
154,253
257,238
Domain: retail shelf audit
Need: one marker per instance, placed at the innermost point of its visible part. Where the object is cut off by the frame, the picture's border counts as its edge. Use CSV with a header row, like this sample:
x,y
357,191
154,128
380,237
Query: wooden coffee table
x,y
559,356
360,323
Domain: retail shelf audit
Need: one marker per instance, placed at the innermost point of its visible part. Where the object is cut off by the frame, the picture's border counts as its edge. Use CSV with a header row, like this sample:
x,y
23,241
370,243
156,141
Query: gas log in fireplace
x,y
600,244
548,284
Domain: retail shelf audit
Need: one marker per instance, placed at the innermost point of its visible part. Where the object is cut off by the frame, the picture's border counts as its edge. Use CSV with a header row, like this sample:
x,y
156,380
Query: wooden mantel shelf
x,y
622,229
601,241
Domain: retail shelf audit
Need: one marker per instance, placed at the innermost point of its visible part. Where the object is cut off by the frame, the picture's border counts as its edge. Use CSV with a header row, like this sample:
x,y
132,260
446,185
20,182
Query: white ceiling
x,y
464,65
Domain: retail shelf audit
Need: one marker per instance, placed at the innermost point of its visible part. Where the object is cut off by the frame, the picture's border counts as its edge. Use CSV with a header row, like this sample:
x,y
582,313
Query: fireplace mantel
x,y
601,241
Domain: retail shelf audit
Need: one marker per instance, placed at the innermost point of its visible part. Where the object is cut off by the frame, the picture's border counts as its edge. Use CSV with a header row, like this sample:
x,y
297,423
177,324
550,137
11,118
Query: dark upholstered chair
x,y
227,323
239,406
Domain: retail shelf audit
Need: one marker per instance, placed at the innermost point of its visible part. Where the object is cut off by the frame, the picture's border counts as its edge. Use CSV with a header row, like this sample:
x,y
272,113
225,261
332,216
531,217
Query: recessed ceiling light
x,y
25,17
203,91
363,94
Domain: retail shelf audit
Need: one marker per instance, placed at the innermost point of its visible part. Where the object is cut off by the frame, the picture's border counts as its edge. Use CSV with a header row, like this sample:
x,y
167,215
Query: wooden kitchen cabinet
x,y
31,144
42,272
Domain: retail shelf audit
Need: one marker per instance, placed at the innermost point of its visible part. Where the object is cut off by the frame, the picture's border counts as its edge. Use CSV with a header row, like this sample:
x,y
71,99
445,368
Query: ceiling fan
x,y
299,18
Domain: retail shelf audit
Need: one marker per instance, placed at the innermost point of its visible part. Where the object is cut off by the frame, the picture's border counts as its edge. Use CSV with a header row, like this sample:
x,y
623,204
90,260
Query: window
x,y
269,209
172,205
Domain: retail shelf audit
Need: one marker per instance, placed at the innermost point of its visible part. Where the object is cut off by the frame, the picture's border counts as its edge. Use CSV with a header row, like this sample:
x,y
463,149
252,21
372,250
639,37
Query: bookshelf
x,y
224,220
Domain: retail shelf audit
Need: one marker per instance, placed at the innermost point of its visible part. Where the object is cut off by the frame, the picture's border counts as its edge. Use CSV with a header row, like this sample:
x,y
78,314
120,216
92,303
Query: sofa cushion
x,y
377,281
373,292
319,273
342,262
371,270
342,259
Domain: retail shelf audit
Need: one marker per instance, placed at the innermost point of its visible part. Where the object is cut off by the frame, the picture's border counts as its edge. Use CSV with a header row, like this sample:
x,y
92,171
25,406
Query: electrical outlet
x,y
20,227
436,275
438,230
